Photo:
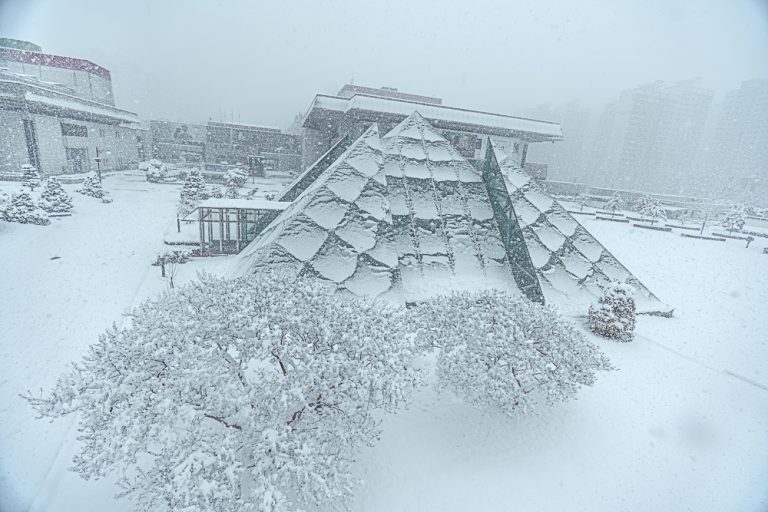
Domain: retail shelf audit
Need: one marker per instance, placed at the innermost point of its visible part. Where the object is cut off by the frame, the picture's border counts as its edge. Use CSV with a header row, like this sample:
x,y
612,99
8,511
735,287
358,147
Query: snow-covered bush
x,y
238,176
252,394
215,192
506,353
614,204
653,209
233,190
5,201
734,218
613,317
91,186
192,192
30,178
22,209
168,263
53,198
155,170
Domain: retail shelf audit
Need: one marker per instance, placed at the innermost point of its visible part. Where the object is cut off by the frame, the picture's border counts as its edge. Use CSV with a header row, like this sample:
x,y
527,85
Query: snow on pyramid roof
x,y
339,228
405,216
569,261
445,229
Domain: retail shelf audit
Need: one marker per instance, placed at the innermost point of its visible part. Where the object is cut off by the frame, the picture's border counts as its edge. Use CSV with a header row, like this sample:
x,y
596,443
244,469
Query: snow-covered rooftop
x,y
244,204
438,113
82,105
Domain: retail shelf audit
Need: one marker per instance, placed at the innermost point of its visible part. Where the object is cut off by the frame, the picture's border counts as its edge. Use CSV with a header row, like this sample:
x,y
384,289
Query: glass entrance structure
x,y
228,225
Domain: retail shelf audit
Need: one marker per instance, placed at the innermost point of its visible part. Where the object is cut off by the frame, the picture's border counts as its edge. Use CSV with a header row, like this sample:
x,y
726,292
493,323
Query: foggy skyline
x,y
264,62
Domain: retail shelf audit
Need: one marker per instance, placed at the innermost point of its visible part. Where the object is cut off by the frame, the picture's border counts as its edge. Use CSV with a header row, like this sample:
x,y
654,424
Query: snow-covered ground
x,y
681,425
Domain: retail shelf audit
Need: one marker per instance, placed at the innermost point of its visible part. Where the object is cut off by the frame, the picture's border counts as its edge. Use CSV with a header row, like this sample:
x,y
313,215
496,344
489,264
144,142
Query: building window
x,y
74,130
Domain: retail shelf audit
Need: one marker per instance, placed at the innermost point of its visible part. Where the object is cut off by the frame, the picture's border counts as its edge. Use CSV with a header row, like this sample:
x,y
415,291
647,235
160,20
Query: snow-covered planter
x,y
613,317
54,199
252,394
506,353
22,209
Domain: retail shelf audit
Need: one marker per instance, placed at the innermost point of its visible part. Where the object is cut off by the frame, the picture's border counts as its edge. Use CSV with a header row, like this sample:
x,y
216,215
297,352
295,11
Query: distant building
x,y
355,108
650,138
257,148
739,149
177,142
58,114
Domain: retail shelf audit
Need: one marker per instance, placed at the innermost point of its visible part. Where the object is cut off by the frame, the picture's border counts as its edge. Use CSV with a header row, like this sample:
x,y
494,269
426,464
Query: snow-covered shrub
x,y
22,209
192,192
215,192
156,171
53,198
5,201
253,394
613,317
91,186
238,176
614,204
168,263
30,178
734,218
653,209
233,190
506,353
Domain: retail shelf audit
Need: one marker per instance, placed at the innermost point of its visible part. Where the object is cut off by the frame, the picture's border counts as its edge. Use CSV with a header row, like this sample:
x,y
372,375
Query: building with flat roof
x,y
257,148
58,114
355,108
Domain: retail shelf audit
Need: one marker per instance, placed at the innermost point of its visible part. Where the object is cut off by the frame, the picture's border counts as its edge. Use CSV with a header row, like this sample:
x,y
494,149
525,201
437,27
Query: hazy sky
x,y
264,61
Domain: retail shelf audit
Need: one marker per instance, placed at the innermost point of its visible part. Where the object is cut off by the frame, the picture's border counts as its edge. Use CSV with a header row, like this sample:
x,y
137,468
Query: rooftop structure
x,y
330,117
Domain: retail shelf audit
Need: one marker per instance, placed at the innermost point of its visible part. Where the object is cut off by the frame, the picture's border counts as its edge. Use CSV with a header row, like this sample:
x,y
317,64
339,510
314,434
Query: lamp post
x,y
98,164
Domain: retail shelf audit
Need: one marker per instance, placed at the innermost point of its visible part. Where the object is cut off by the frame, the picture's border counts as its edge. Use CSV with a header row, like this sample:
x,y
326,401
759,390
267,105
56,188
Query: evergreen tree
x,y
614,315
92,187
22,210
192,192
233,189
5,201
54,198
30,178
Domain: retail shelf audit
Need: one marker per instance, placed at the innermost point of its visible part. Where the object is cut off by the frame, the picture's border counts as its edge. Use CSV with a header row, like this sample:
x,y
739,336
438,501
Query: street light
x,y
98,164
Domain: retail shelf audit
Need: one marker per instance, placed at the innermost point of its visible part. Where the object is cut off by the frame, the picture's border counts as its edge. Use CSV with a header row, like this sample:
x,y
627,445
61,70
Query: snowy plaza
x,y
681,420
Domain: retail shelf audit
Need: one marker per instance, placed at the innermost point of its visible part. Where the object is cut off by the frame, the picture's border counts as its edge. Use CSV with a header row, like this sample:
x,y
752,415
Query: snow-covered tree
x,y
53,198
168,263
233,189
613,316
30,177
91,186
22,209
237,175
215,192
192,192
614,204
156,171
653,209
504,352
735,218
5,201
252,394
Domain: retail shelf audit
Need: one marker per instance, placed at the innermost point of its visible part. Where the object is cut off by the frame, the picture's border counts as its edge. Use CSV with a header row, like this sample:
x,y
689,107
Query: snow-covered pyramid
x,y
405,216
569,261
339,228
447,236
